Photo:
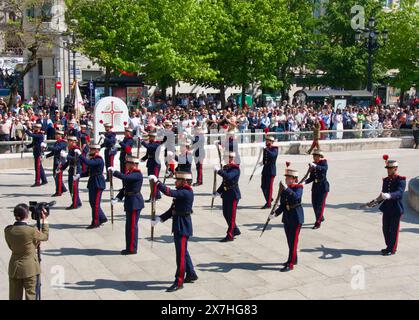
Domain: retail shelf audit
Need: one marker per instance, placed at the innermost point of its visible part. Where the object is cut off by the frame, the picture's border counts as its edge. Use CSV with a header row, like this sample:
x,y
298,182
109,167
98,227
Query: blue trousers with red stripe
x,y
199,175
155,171
183,259
39,171
98,216
59,183
229,213
73,186
318,200
267,188
292,231
131,230
391,227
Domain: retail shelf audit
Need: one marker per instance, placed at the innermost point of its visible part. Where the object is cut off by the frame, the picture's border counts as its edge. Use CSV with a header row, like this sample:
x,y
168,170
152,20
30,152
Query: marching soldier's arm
x,y
321,167
398,194
167,215
228,175
144,144
6,235
65,165
280,210
49,155
294,195
42,235
310,179
271,152
91,162
177,194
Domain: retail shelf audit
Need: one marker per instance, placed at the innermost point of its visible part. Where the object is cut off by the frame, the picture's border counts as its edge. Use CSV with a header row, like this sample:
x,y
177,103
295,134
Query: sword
x,y
278,196
306,175
111,195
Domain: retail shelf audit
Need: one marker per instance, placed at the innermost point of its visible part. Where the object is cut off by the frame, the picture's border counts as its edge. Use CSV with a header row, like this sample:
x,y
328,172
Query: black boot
x,y
174,287
191,278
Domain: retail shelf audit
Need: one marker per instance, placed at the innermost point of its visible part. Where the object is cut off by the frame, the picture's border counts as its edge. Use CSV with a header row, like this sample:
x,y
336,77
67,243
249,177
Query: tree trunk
x,y
401,98
223,96
243,94
174,91
107,81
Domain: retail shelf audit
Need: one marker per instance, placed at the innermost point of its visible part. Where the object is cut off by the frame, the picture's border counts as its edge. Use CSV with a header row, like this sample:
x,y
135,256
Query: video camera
x,y
36,209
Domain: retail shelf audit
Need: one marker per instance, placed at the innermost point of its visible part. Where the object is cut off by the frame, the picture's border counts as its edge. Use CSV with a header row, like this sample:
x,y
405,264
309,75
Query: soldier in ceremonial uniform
x,y
126,148
84,141
109,141
153,163
180,211
270,154
199,154
133,204
230,193
170,147
74,172
37,145
24,266
185,158
392,206
320,189
316,136
293,215
55,151
72,131
96,183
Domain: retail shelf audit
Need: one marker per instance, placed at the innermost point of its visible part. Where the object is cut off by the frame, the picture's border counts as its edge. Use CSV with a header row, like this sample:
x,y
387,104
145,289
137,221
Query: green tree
x,y
402,51
30,32
343,62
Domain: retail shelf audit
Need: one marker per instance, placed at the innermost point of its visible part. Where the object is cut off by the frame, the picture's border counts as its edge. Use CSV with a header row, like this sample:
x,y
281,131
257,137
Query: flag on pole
x,y
78,101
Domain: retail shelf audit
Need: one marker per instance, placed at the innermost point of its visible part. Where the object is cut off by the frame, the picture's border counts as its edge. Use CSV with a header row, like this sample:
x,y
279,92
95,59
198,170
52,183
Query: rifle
x,y
373,203
111,195
278,196
306,175
153,209
257,163
214,185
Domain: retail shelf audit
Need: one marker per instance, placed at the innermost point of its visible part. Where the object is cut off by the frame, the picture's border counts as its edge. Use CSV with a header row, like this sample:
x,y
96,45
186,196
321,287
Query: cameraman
x,y
23,240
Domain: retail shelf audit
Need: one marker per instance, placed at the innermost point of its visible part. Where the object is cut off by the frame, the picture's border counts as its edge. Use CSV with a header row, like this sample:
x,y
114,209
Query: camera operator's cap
x,y
270,138
183,175
72,138
133,160
94,146
318,152
60,132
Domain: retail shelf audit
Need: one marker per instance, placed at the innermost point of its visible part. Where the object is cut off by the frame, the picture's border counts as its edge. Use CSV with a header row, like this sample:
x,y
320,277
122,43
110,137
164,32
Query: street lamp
x,y
369,38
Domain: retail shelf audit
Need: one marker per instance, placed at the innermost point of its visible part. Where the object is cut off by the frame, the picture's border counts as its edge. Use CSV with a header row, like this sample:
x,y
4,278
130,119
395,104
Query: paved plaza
x,y
341,260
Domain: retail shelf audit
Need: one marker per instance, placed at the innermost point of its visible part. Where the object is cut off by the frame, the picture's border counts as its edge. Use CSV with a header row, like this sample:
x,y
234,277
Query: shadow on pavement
x,y
80,252
169,239
412,230
118,285
62,226
227,267
331,253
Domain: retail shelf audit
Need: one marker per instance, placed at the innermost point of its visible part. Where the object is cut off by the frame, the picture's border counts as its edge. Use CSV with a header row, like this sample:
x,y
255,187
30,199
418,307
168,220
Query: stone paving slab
x,y
346,246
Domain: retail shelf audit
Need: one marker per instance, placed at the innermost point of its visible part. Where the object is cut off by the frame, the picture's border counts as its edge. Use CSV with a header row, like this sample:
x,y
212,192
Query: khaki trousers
x,y
16,287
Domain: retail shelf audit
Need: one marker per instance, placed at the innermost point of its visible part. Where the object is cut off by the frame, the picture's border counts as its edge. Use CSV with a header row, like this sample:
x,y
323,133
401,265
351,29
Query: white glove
x,y
76,177
272,216
111,169
114,201
77,152
153,177
216,194
155,221
217,142
63,154
43,156
169,153
43,145
313,165
217,168
102,136
386,195
25,127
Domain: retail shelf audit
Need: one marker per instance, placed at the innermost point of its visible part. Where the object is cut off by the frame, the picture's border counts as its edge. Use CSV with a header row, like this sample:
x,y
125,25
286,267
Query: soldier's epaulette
x,y
297,186
402,178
